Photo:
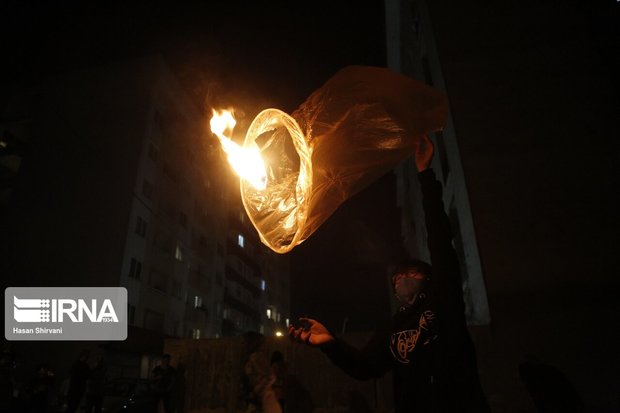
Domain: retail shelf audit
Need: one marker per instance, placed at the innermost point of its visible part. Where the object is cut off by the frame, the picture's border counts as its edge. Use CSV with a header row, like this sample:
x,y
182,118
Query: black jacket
x,y
427,345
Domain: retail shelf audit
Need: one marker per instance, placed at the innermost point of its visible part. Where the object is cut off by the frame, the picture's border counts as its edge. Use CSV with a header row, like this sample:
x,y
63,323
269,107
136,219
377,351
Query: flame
x,y
246,161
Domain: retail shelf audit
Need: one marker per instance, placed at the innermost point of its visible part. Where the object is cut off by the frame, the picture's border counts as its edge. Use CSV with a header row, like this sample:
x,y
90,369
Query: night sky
x,y
264,54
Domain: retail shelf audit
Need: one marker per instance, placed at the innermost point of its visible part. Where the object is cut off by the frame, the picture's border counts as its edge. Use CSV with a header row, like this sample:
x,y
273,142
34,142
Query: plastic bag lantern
x,y
348,133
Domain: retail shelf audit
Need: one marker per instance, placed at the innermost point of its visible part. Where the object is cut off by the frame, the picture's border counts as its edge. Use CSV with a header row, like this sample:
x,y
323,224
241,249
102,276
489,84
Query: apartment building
x,y
110,178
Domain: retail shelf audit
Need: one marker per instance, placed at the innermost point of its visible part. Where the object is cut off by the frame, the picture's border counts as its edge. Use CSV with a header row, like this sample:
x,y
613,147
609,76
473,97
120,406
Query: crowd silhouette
x,y
84,388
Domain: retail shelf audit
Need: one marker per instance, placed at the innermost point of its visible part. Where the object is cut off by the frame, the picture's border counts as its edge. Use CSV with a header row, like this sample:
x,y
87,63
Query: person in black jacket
x,y
427,345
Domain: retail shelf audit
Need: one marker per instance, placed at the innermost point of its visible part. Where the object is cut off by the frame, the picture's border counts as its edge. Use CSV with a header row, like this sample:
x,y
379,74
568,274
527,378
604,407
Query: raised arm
x,y
446,276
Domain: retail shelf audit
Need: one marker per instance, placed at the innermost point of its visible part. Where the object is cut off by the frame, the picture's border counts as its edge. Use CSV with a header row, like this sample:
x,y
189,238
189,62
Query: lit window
x,y
240,240
263,285
269,313
195,333
178,253
197,301
288,322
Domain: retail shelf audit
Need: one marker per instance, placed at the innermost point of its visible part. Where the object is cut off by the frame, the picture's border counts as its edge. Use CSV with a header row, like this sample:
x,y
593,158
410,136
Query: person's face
x,y
407,284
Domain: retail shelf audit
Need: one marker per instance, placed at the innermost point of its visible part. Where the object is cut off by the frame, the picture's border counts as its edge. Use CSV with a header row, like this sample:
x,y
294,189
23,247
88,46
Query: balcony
x,y
233,275
252,313
234,249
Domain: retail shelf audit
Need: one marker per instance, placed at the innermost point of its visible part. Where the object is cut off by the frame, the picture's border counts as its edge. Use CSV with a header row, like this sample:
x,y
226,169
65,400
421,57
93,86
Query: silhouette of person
x,y
95,387
77,382
164,378
280,372
292,395
40,389
427,345
258,377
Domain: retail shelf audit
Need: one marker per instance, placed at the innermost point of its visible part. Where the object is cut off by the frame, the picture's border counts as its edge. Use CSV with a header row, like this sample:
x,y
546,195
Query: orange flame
x,y
246,161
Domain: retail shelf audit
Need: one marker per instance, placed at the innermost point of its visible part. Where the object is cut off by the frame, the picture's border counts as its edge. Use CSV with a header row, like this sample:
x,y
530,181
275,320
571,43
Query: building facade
x,y
411,51
110,177
257,294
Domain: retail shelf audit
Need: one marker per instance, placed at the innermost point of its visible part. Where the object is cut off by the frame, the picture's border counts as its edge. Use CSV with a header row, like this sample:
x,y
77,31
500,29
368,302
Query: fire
x,y
247,162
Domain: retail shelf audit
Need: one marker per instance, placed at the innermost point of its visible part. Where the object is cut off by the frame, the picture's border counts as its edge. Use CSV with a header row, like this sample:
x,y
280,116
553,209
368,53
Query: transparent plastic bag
x,y
351,131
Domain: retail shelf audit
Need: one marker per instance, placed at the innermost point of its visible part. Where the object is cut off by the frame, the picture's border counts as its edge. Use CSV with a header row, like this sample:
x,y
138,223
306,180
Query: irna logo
x,y
59,310
65,313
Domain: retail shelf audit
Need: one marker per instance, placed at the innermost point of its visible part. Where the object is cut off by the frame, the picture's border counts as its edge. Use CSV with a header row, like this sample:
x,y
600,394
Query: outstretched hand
x,y
310,332
424,153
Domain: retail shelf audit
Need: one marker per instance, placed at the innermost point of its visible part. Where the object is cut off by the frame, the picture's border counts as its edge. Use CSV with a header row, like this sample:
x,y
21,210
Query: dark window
x,y
141,227
153,320
135,269
171,173
177,289
158,280
147,189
